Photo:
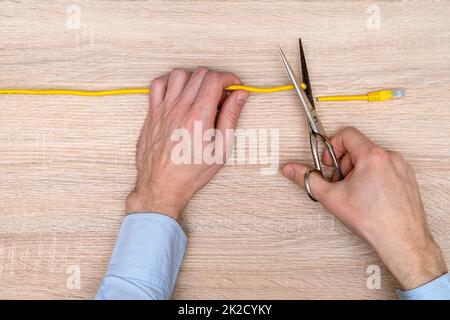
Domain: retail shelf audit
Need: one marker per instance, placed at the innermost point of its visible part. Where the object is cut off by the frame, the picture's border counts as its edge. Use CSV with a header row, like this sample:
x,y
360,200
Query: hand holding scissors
x,y
315,127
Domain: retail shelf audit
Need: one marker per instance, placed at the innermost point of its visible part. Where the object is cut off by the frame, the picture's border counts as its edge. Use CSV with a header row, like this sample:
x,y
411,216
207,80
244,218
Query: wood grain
x,y
67,163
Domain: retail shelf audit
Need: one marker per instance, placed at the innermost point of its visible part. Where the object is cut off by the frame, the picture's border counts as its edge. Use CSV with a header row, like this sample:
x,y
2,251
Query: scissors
x,y
315,127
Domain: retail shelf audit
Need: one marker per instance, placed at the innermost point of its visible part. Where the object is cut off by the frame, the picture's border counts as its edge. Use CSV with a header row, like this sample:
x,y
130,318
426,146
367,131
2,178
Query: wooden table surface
x,y
67,163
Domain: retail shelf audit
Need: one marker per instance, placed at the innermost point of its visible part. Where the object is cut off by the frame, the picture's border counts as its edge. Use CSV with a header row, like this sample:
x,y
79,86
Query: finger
x,y
229,116
348,140
192,87
224,96
346,166
211,92
176,83
158,92
320,188
231,110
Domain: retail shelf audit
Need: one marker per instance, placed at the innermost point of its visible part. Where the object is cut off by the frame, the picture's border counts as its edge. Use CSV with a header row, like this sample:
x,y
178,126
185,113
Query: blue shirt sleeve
x,y
438,289
145,260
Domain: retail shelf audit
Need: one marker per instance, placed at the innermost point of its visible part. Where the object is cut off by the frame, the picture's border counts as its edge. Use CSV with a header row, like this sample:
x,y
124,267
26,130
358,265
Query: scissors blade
x,y
305,75
310,111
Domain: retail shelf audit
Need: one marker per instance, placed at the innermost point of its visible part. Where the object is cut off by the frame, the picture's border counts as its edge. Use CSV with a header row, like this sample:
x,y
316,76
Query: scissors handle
x,y
316,157
330,150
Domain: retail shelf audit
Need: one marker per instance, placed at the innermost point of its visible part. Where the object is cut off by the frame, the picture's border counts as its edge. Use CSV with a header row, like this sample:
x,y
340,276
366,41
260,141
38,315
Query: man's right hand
x,y
379,200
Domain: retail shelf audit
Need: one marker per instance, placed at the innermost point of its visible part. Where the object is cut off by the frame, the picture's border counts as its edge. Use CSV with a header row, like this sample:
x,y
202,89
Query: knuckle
x,y
378,155
213,76
201,70
195,115
351,131
158,82
178,73
234,76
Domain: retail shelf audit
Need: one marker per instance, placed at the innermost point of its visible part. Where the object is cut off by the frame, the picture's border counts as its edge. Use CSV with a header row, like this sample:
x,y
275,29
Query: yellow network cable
x,y
114,92
76,92
381,95
263,90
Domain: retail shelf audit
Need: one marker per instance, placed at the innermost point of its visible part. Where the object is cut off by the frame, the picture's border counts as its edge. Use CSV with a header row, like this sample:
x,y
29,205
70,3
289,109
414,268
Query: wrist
x,y
422,268
138,201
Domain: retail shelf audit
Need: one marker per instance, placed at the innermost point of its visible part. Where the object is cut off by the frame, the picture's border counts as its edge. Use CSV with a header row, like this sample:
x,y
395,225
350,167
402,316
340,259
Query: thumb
x,y
320,188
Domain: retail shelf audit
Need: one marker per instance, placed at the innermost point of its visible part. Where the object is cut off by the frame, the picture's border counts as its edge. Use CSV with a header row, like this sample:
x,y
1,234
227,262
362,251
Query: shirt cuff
x,y
146,258
438,289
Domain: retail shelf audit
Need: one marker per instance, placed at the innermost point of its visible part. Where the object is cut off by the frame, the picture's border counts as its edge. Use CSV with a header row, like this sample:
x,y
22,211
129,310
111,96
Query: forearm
x,y
145,260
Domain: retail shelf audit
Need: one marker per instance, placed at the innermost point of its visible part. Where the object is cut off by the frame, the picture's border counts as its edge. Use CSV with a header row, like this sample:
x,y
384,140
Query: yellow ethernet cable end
x,y
374,96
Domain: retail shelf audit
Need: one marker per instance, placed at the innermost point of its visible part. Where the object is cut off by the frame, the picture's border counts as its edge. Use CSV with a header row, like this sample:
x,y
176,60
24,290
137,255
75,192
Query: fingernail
x,y
241,97
288,172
